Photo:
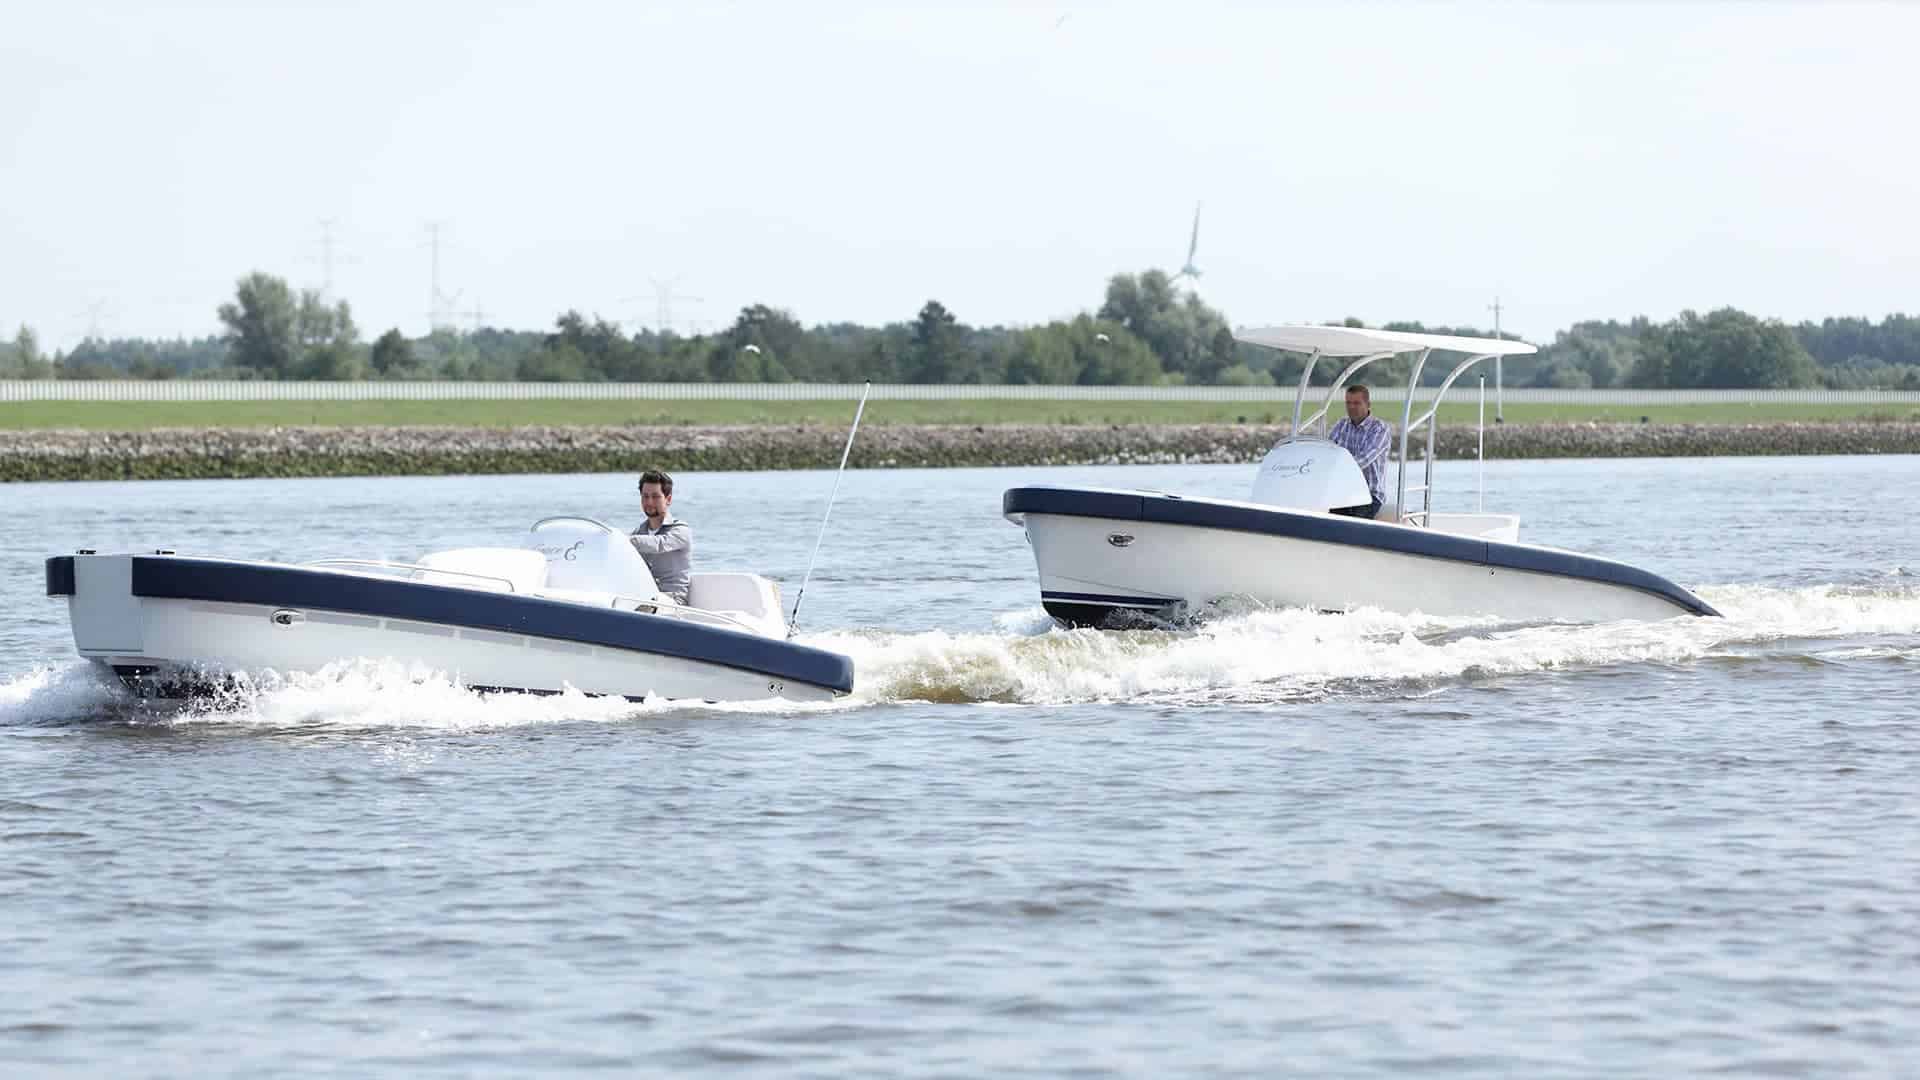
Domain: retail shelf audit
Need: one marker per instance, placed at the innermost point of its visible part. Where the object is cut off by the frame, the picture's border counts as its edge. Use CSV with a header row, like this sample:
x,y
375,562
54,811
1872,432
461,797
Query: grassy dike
x,y
147,416
192,453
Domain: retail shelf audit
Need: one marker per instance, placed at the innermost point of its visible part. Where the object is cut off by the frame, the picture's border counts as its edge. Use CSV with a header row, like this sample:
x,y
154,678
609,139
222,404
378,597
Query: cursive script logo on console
x,y
1302,469
570,554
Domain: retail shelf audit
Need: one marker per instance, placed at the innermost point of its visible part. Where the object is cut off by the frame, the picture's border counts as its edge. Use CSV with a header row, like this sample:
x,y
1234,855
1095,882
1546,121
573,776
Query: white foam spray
x,y
1292,654
1254,657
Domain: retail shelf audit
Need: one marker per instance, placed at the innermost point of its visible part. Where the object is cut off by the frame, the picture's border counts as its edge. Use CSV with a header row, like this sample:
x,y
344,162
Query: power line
x,y
476,313
664,297
329,256
439,304
96,315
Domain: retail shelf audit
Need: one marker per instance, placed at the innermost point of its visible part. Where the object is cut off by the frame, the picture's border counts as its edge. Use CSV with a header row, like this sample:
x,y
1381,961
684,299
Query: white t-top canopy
x,y
1356,341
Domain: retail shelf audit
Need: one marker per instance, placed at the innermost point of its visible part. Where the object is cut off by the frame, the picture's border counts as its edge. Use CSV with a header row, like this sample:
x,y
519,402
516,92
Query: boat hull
x,y
1102,553
168,623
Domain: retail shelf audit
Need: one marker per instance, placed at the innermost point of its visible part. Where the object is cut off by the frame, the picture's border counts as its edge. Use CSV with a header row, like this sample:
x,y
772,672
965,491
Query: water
x,y
1368,845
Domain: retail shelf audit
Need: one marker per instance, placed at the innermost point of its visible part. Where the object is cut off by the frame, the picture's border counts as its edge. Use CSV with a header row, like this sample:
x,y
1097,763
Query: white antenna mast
x,y
793,623
1499,382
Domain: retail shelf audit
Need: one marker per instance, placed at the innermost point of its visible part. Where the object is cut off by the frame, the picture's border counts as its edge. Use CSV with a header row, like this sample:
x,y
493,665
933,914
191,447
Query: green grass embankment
x,y
149,416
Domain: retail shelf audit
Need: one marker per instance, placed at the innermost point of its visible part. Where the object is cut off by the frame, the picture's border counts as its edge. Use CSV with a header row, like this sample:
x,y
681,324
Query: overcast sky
x,y
849,162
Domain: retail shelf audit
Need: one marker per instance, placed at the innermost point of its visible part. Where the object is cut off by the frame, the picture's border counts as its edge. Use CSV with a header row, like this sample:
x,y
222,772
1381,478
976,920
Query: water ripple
x,y
1276,843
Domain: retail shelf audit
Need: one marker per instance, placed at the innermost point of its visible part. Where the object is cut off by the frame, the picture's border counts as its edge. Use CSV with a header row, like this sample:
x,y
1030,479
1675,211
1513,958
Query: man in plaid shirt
x,y
1367,438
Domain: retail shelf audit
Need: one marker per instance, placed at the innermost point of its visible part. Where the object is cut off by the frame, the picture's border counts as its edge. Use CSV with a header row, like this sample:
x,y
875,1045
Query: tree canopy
x,y
274,333
1720,350
1190,339
1145,331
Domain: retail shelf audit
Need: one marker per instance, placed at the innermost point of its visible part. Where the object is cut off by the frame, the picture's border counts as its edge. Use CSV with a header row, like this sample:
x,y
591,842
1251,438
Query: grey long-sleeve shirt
x,y
668,551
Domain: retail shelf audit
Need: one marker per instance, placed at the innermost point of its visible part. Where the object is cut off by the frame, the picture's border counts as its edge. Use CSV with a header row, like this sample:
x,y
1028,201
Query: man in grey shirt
x,y
664,541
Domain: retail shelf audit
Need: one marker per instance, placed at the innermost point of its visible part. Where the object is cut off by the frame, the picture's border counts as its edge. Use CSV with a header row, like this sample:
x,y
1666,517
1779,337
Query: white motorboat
x,y
1103,551
572,607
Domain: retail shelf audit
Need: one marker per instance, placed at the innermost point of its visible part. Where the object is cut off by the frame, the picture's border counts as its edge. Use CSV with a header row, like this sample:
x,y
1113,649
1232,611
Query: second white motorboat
x,y
1102,551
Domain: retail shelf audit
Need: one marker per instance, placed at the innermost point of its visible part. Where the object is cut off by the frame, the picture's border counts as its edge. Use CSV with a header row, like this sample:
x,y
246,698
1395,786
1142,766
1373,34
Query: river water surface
x,y
1366,845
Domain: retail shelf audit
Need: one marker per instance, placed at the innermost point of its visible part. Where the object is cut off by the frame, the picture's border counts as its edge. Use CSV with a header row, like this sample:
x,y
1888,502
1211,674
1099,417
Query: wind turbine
x,y
1190,271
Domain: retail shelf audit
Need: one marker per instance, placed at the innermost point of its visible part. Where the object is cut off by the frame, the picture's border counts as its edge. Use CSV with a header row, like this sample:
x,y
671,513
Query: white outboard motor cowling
x,y
1305,473
590,555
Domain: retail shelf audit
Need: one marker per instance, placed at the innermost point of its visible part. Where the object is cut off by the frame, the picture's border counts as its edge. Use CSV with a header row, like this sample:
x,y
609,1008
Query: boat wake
x,y
1278,656
1247,657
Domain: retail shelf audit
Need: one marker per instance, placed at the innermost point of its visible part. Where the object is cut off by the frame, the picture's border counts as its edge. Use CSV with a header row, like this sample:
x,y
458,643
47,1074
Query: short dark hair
x,y
655,476
1361,389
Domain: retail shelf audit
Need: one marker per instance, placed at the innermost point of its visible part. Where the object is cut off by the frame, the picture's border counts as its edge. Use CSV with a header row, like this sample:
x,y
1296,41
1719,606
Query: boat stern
x,y
101,606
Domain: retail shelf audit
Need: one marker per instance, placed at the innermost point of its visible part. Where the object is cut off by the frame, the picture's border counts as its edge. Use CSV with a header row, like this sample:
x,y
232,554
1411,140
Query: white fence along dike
x,y
27,391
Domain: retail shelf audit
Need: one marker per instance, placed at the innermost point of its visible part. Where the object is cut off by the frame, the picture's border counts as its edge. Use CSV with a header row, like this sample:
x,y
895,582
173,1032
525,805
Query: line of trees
x,y
1145,331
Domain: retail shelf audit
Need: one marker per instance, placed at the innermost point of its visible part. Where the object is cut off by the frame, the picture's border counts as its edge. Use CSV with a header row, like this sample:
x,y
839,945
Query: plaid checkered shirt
x,y
1368,442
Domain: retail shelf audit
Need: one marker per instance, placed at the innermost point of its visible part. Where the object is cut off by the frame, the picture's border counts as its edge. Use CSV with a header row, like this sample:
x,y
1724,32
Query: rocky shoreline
x,y
388,451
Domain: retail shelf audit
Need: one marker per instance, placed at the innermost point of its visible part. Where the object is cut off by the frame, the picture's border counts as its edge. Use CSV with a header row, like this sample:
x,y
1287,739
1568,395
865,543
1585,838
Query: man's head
x,y
1359,403
656,494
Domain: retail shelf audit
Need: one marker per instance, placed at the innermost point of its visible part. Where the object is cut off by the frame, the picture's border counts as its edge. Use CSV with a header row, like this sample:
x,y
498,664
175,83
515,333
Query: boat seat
x,y
749,598
749,594
490,568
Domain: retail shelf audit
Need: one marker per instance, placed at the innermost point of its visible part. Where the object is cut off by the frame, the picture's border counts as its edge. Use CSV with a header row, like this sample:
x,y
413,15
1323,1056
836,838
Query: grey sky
x,y
849,162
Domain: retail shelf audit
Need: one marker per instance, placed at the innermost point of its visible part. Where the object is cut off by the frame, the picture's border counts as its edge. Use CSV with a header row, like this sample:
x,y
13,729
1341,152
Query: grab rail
x,y
1300,395
1406,428
412,567
1429,419
691,614
1320,414
653,607
1408,423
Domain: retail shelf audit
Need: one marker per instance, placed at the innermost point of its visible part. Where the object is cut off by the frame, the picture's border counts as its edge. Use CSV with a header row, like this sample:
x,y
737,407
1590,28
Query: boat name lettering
x,y
1301,469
